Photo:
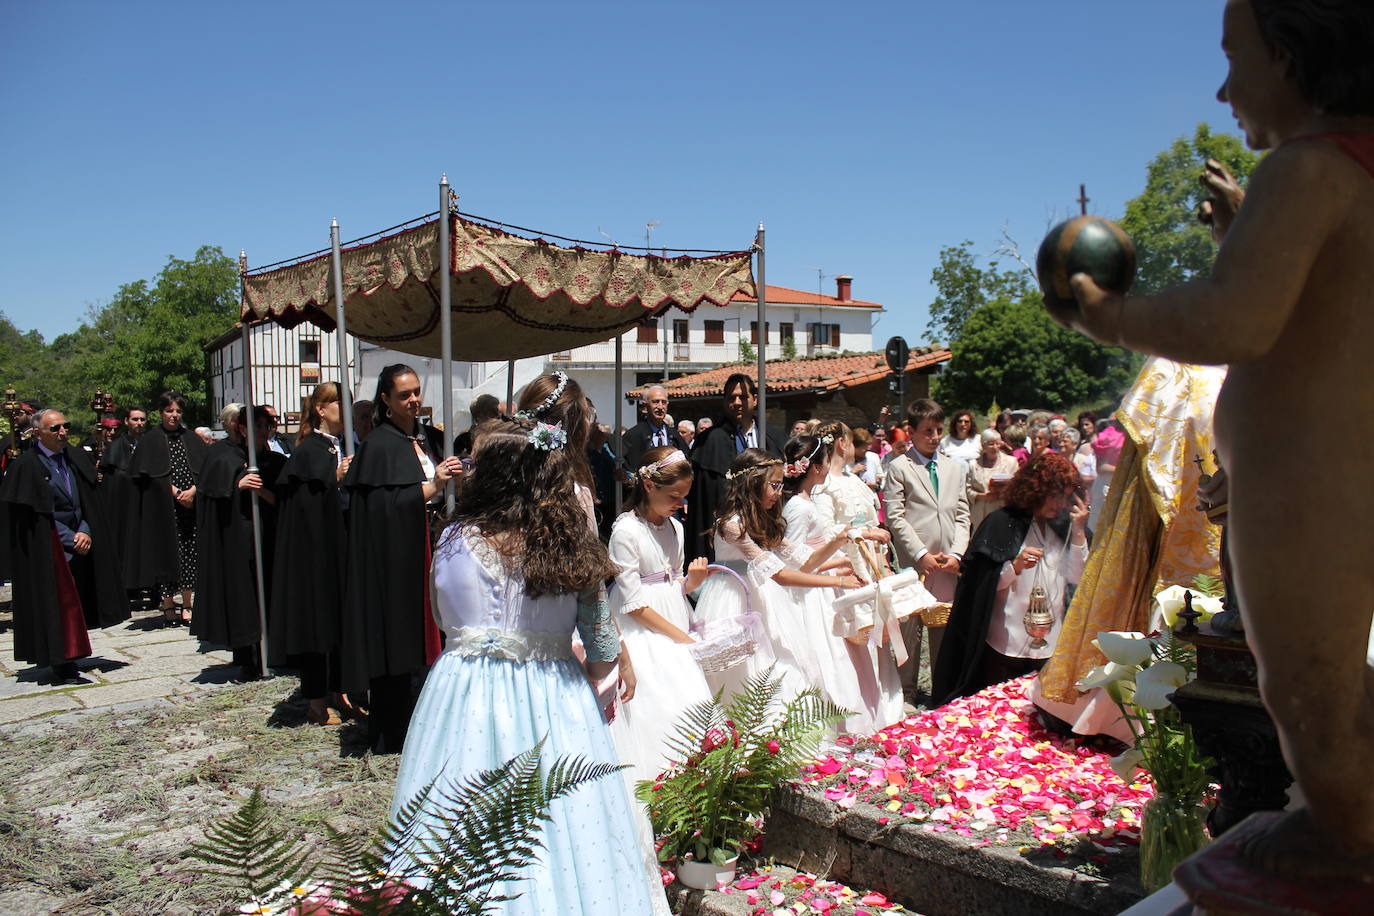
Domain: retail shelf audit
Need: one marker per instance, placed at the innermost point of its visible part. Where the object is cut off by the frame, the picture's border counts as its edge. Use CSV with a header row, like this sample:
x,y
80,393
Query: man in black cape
x,y
307,576
711,456
226,588
149,523
958,672
117,493
64,564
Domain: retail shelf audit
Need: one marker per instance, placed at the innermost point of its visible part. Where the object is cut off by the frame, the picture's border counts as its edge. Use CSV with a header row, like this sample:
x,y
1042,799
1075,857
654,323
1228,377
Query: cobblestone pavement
x,y
137,661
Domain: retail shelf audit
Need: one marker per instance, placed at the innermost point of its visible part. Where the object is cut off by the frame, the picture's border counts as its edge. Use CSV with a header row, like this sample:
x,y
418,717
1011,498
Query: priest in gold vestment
x,y
1150,535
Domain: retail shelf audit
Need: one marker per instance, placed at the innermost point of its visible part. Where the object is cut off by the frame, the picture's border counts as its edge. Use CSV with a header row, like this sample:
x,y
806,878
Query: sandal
x,y
185,618
171,617
349,708
321,713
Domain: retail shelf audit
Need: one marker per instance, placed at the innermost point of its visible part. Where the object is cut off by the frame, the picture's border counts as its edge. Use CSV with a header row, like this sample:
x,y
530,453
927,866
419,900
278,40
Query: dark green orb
x,y
1086,244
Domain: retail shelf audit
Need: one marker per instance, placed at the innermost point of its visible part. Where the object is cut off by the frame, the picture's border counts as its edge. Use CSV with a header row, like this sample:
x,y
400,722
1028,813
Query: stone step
x,y
939,874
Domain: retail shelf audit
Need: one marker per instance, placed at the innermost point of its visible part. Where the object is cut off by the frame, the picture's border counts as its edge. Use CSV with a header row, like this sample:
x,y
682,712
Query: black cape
x,y
115,491
382,628
712,453
38,617
149,518
226,589
307,576
957,672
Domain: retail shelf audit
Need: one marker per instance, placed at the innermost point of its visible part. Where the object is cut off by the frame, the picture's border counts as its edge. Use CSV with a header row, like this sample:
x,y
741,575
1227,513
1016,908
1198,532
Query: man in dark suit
x,y
712,453
64,563
652,431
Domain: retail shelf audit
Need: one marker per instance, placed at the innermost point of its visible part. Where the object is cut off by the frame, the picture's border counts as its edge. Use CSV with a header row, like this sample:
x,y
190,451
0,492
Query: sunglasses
x,y
58,427
775,486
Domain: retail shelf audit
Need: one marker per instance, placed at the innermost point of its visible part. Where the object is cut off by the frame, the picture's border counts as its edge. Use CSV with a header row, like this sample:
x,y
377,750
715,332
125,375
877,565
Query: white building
x,y
692,342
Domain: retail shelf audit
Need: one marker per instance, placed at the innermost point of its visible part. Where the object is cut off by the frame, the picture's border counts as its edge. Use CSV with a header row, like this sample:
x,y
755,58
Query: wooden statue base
x,y
1221,883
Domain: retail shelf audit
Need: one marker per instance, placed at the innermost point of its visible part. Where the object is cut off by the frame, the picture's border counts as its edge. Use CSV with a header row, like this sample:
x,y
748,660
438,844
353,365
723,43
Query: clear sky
x,y
865,135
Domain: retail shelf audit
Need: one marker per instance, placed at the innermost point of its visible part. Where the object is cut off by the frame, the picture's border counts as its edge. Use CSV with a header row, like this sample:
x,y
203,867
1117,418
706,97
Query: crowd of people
x,y
533,611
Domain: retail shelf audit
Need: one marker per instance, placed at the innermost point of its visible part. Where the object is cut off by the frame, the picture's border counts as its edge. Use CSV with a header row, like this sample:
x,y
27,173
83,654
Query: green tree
x,y
149,337
963,287
1171,245
1013,353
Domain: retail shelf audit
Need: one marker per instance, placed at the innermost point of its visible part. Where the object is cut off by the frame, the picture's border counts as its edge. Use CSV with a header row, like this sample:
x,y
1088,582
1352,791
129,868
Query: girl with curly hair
x,y
1038,539
749,537
515,573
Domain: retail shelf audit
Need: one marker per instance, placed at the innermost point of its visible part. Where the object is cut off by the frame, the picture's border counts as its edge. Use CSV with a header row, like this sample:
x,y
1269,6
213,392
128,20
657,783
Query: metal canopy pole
x,y
619,406
510,386
345,381
763,345
251,438
446,327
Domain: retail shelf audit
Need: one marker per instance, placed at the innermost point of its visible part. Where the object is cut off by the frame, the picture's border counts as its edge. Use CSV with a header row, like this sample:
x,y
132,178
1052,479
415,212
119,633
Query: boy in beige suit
x,y
926,498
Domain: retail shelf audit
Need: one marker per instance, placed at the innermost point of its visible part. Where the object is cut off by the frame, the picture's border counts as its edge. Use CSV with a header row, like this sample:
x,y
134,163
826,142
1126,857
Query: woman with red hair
x,y
1038,540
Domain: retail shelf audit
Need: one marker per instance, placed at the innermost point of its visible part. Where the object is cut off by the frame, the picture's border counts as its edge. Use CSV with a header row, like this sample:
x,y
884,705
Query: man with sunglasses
x,y
65,568
276,441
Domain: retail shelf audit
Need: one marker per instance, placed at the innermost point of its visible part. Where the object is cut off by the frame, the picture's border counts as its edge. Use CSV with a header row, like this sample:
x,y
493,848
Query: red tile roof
x,y
782,295
824,374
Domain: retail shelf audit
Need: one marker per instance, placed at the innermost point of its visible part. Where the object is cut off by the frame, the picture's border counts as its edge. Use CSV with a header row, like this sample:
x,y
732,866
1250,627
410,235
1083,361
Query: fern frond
x,y
247,853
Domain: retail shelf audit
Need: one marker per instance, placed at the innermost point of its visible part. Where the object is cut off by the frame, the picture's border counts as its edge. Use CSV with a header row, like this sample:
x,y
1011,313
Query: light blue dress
x,y
506,679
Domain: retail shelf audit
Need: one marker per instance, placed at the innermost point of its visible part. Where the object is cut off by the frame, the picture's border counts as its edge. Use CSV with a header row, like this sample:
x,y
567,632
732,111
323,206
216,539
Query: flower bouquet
x,y
734,755
1140,674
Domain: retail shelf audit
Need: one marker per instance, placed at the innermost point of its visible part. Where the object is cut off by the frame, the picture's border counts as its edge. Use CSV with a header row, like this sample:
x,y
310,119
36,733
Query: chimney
x,y
842,284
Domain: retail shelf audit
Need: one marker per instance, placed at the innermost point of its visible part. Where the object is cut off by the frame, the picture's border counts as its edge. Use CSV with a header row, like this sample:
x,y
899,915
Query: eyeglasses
x,y
58,427
775,486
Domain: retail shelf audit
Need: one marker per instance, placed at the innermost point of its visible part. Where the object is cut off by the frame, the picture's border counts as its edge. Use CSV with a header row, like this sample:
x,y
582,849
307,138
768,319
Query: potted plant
x,y
1140,675
706,808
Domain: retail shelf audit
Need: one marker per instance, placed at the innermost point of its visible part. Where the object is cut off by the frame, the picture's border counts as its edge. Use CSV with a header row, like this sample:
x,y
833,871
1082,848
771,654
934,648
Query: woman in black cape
x,y
226,587
307,579
387,632
160,518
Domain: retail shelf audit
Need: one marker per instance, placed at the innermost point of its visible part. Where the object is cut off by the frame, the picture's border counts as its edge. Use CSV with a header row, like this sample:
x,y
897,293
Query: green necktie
x,y
934,476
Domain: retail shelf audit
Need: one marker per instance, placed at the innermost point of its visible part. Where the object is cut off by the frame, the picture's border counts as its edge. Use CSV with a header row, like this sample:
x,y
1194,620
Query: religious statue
x,y
1290,296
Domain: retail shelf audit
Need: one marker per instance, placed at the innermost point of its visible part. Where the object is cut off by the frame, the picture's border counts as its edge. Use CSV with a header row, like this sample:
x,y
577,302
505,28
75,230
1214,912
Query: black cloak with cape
x,y
957,672
226,589
712,454
51,598
307,577
385,627
115,491
149,523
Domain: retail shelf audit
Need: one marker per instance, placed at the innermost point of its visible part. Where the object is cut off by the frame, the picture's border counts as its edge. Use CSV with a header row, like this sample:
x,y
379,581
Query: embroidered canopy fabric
x,y
512,296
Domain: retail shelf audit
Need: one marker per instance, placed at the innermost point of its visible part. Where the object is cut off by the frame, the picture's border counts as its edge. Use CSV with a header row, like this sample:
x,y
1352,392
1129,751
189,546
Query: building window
x,y
679,331
647,378
754,331
825,335
648,331
785,332
310,351
715,332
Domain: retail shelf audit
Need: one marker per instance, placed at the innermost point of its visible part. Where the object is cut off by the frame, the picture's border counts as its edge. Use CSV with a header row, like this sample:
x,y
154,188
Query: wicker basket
x,y
723,644
936,615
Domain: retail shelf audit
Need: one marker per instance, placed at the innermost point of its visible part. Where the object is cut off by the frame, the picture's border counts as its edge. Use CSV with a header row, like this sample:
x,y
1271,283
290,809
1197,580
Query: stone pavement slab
x,y
184,646
142,668
21,708
110,694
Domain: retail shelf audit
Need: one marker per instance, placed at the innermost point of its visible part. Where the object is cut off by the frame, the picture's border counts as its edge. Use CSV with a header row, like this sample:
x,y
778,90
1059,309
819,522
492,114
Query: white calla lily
x,y
1106,674
1169,601
1125,648
1126,763
1155,683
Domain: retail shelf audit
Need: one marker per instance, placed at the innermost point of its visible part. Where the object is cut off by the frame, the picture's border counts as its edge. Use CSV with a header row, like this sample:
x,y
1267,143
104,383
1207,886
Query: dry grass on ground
x,y
97,810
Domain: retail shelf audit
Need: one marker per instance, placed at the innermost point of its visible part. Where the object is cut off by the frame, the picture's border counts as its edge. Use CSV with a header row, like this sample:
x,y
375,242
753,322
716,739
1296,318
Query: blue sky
x,y
865,135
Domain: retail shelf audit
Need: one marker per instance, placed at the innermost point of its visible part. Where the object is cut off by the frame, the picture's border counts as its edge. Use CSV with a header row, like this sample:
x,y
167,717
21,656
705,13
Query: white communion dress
x,y
722,598
648,558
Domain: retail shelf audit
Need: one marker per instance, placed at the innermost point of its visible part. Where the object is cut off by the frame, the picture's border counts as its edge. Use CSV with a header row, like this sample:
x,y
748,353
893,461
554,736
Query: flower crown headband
x,y
744,472
547,436
533,413
798,468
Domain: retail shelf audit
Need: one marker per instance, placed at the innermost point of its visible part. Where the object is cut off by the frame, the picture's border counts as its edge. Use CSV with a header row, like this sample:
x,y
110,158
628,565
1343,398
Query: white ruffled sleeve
x,y
628,588
762,564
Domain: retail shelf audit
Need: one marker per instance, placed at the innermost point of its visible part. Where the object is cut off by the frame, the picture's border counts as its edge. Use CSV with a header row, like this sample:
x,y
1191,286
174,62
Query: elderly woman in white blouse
x,y
988,475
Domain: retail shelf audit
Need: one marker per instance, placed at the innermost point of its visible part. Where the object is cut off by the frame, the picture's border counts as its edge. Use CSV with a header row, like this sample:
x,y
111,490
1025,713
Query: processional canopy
x,y
512,296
